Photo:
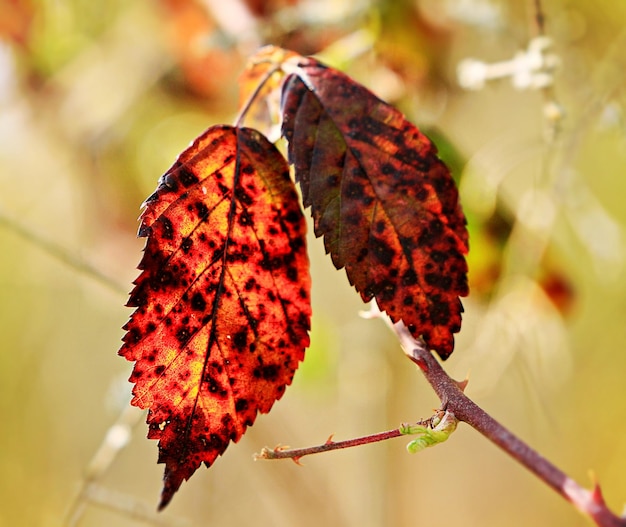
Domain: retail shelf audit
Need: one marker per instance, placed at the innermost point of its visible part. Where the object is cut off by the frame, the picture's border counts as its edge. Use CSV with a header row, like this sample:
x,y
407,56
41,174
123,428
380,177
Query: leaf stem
x,y
246,107
450,392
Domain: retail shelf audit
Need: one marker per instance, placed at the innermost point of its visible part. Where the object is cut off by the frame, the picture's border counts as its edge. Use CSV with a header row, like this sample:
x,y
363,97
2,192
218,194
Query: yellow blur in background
x,y
96,101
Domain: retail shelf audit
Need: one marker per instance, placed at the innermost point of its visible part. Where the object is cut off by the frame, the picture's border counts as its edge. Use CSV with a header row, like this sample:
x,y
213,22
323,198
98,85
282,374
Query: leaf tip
x,y
144,231
171,484
165,500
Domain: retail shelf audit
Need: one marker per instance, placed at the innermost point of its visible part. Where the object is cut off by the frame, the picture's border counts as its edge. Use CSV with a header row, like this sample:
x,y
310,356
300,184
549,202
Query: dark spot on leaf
x,y
268,372
214,387
240,339
387,169
197,302
362,254
439,312
292,274
203,210
293,216
244,197
216,443
409,278
438,280
355,190
438,256
217,366
164,278
167,228
421,194
186,245
133,336
353,219
271,264
296,244
381,251
236,256
431,234
244,219
386,291
241,405
249,285
186,177
183,334
332,181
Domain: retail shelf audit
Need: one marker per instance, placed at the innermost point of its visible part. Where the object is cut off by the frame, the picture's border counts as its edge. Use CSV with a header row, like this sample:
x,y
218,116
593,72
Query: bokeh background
x,y
96,101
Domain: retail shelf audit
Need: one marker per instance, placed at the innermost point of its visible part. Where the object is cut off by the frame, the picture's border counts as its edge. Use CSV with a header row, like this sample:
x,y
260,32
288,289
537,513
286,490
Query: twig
x,y
297,453
116,438
59,253
553,111
540,19
120,502
450,392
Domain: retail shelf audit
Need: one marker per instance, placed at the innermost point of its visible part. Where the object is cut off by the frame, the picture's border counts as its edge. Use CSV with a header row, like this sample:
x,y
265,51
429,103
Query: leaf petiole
x,y
253,96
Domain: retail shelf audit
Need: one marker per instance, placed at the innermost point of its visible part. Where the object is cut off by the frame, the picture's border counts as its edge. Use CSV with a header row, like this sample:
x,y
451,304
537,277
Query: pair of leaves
x,y
223,309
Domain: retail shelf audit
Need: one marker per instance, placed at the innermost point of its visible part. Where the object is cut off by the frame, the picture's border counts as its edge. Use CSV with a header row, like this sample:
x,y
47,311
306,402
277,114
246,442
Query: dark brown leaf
x,y
384,202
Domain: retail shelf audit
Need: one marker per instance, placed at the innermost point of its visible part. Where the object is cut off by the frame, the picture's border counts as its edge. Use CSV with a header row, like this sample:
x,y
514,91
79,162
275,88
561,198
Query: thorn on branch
x,y
463,384
420,363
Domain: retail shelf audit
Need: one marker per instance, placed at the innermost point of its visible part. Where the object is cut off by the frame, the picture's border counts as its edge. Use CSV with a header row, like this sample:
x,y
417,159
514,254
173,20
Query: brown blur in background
x,y
96,101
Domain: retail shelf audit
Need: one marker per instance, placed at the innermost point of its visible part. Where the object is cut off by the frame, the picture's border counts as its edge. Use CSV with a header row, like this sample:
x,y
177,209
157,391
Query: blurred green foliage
x,y
96,101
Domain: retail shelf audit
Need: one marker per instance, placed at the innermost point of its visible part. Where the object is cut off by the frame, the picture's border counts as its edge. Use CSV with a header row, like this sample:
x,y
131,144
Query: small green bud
x,y
441,426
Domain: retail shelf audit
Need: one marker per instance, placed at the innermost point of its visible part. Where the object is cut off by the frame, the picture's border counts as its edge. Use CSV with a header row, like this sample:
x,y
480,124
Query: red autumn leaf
x,y
222,302
385,203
